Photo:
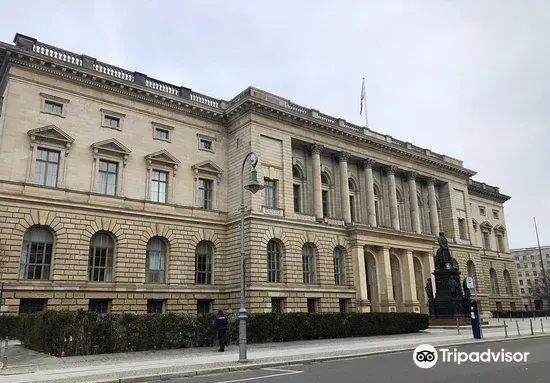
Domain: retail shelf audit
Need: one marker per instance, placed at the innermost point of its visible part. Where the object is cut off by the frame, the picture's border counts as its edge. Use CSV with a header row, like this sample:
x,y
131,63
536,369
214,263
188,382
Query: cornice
x,y
249,104
82,69
489,194
78,74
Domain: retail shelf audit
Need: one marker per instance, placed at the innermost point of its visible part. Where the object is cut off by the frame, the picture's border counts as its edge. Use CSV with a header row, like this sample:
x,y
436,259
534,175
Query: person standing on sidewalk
x,y
221,322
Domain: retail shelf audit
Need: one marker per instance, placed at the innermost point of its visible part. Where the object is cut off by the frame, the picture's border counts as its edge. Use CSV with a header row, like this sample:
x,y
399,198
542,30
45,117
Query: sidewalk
x,y
29,366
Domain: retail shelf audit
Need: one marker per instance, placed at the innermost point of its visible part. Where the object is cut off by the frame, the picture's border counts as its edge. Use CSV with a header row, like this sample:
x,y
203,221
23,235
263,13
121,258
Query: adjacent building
x,y
532,265
122,193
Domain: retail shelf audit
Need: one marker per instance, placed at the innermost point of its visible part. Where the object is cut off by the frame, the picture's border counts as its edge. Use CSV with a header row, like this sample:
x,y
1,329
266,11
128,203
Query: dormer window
x,y
206,143
53,107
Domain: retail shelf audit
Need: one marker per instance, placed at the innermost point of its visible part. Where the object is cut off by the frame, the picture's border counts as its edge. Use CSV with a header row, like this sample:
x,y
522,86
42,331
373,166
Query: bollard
x,y
457,327
541,326
505,330
517,326
531,324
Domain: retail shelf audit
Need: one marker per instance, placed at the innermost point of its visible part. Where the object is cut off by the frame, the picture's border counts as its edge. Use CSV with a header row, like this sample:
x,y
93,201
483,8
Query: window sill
x,y
112,127
161,139
52,114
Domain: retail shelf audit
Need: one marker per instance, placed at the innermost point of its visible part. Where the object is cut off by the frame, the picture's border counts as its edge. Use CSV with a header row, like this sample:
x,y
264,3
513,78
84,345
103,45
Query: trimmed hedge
x,y
66,333
9,326
520,314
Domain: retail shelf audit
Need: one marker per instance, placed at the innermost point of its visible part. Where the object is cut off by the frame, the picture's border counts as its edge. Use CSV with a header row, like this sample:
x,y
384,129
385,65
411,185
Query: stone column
x,y
434,221
344,187
371,209
409,280
360,277
415,213
394,214
385,284
317,191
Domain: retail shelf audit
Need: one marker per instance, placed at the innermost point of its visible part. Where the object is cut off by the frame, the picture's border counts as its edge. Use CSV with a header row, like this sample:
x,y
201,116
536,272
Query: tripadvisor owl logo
x,y
425,356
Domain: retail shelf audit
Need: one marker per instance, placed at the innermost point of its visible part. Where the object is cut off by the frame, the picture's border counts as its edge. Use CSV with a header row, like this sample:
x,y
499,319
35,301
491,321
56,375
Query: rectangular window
x,y
111,121
512,306
462,228
499,306
312,305
344,305
206,188
159,186
100,264
529,282
521,282
277,305
297,198
102,306
495,214
204,306
486,241
30,306
46,167
107,180
324,195
162,134
205,144
532,264
155,306
270,193
352,207
522,290
53,107
482,210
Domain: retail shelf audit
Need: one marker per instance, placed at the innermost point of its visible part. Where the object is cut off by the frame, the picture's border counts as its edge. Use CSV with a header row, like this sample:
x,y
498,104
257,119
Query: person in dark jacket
x,y
221,322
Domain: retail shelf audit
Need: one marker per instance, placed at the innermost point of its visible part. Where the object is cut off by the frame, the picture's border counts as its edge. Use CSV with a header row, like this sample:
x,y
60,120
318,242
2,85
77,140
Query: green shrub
x,y
9,326
65,333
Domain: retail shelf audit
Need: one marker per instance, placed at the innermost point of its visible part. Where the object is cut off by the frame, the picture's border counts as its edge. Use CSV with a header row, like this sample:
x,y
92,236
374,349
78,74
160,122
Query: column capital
x,y
368,163
432,180
412,175
343,156
391,169
316,148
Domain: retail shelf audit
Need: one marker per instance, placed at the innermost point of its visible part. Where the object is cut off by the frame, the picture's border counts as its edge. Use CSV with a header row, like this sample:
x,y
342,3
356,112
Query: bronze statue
x,y
429,289
443,254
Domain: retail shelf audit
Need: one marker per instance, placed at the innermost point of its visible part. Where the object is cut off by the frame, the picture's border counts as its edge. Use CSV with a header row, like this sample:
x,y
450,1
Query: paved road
x,y
399,367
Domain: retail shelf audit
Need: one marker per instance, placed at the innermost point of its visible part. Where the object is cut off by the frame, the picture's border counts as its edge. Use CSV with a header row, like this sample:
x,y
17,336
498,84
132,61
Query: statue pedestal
x,y
449,302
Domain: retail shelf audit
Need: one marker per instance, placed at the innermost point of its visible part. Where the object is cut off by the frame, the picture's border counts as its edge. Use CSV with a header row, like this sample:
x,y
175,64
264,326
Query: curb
x,y
258,364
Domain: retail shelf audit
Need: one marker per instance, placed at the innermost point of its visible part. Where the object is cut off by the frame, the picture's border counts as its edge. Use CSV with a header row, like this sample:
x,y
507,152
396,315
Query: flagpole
x,y
366,115
541,259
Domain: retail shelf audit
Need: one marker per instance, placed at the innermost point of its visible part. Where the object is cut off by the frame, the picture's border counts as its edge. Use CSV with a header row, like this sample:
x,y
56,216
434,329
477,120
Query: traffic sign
x,y
469,282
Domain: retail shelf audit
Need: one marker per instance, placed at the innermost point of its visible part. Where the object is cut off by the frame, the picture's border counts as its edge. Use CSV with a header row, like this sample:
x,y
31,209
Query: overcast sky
x,y
466,78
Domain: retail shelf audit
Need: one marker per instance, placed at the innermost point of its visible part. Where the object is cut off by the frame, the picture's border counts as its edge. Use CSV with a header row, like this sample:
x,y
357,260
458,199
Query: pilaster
x,y
414,203
434,220
317,191
360,276
371,209
385,285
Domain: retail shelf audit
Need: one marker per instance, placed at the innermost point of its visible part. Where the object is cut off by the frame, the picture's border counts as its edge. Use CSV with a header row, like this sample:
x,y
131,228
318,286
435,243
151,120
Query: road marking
x,y
282,373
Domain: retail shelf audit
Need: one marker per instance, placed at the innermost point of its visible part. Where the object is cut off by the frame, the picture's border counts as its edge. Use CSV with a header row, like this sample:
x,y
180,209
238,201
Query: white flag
x,y
362,96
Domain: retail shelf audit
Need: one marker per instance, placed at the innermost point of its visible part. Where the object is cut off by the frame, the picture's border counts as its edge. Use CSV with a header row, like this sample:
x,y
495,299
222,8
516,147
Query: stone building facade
x,y
122,193
532,264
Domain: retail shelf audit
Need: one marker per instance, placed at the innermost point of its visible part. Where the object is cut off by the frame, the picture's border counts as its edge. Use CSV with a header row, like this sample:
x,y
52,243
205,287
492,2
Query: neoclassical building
x,y
122,193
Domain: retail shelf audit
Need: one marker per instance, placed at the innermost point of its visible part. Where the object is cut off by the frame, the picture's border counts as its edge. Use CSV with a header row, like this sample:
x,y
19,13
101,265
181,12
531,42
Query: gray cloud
x,y
468,79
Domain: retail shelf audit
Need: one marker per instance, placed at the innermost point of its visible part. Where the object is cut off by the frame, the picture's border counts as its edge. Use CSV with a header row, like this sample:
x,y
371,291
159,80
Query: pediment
x,y
207,167
50,133
163,157
111,146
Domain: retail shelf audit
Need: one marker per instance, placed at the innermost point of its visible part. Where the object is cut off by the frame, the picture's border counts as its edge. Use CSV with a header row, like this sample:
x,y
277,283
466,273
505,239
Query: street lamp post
x,y
253,186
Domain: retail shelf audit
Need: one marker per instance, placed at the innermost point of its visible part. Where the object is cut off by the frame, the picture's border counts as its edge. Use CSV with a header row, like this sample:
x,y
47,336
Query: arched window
x,y
378,205
308,263
353,201
325,188
471,268
507,282
100,262
421,213
274,255
297,187
203,263
494,282
155,261
36,256
400,210
339,262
